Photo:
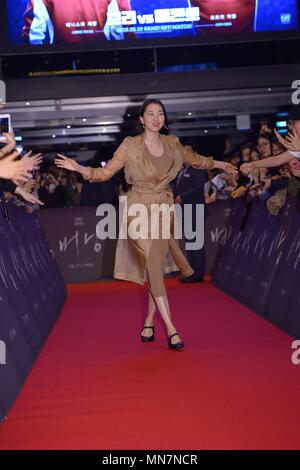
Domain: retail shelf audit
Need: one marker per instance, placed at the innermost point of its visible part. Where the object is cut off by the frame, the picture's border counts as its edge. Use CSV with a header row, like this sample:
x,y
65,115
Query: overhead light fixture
x,y
281,124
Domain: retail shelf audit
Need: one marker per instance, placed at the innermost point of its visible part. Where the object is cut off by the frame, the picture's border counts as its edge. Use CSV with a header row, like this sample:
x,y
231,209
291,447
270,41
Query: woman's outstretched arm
x,y
194,159
95,175
269,162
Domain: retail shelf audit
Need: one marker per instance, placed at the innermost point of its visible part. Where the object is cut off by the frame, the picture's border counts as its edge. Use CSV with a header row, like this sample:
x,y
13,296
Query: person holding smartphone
x,y
5,126
291,142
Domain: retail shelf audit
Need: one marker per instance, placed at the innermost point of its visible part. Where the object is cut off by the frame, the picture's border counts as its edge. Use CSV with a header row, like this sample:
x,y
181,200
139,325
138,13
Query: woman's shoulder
x,y
132,140
170,139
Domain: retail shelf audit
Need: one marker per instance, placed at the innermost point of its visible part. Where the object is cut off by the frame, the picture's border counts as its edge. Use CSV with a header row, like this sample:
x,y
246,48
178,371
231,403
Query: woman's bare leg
x,y
164,309
149,321
155,271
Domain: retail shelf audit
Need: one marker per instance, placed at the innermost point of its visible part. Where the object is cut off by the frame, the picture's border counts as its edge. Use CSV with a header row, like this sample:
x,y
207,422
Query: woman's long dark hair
x,y
139,127
269,137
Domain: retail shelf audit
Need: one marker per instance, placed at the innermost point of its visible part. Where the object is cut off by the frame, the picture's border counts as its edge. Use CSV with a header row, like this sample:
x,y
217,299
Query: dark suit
x,y
9,187
190,187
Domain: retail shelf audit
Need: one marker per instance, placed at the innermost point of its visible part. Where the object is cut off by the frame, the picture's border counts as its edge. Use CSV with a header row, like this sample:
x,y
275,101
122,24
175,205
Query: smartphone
x,y
5,125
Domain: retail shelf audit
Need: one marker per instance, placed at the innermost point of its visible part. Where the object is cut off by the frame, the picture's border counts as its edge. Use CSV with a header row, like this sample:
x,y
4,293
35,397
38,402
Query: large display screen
x,y
47,22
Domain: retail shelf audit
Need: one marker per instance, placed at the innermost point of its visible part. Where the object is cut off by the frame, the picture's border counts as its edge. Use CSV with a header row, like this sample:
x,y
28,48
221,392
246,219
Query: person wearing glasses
x,y
291,143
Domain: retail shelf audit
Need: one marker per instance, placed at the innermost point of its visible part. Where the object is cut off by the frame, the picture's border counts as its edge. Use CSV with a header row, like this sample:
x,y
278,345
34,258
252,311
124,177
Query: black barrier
x,y
82,257
32,294
258,263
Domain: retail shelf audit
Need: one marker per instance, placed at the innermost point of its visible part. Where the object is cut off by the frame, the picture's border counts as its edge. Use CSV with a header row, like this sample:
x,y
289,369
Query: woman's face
x,y
264,147
254,156
246,155
235,160
153,118
276,149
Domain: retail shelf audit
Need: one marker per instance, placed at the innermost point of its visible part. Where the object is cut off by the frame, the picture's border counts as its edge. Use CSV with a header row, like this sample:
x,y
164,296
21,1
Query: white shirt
x,y
295,154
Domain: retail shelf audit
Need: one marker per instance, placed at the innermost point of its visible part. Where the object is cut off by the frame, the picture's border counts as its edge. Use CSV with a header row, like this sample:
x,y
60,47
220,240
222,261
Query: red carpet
x,y
96,386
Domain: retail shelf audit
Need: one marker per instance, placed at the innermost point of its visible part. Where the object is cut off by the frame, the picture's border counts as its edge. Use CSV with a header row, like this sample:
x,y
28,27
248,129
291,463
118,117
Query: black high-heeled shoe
x,y
175,346
147,339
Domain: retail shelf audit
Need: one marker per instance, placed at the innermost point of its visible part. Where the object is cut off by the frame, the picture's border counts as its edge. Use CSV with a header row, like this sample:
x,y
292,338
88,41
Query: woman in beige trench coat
x,y
151,160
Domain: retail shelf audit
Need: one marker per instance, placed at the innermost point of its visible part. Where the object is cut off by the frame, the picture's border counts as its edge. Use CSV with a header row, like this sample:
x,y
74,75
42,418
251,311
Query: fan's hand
x,y
67,163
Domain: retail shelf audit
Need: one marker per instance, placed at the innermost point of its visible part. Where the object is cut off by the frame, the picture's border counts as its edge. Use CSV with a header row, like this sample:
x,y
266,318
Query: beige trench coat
x,y
148,187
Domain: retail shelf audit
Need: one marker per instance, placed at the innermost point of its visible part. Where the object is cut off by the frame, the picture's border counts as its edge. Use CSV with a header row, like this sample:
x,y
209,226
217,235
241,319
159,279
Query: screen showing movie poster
x,y
44,22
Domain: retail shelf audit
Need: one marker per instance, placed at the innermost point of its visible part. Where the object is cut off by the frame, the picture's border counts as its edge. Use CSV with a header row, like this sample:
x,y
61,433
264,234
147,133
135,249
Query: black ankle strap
x,y
174,334
149,326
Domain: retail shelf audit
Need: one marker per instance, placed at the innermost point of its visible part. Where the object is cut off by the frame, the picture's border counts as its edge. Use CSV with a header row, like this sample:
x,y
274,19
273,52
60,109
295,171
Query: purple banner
x,y
32,294
259,262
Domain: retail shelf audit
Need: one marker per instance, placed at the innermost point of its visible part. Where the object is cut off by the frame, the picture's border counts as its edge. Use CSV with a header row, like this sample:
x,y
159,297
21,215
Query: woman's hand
x,y
10,143
227,167
246,168
290,142
296,172
27,196
32,162
13,169
67,163
29,186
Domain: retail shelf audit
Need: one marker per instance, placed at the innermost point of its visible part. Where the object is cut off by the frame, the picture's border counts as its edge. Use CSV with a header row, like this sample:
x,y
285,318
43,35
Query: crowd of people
x,y
152,160
264,173
53,187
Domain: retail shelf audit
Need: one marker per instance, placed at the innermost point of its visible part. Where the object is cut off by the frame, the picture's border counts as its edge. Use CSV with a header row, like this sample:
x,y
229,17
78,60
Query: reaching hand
x,y
10,142
246,168
27,196
230,169
293,141
13,169
66,163
29,186
227,167
290,142
10,138
32,163
296,172
264,129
